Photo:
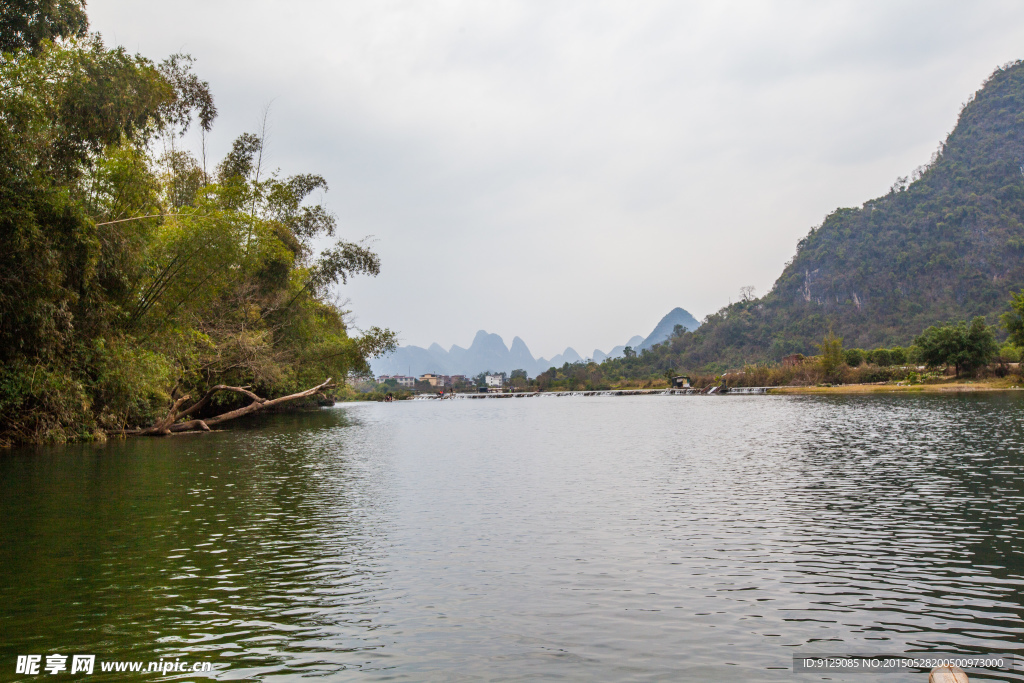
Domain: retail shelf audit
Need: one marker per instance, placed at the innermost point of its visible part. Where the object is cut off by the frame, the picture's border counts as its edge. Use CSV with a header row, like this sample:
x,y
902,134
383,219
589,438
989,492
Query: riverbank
x,y
933,387
958,386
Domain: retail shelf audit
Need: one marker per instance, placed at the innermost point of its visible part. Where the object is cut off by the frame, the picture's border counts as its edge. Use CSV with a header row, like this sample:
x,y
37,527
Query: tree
x,y
628,352
965,347
881,357
853,357
518,379
1013,320
898,355
25,24
980,347
130,278
831,349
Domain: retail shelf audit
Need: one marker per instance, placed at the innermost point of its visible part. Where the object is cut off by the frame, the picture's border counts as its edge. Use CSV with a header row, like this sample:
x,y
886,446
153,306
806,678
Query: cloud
x,y
569,172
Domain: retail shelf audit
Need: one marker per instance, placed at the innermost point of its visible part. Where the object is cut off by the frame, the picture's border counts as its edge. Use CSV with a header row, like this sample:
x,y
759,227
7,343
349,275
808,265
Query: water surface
x,y
605,538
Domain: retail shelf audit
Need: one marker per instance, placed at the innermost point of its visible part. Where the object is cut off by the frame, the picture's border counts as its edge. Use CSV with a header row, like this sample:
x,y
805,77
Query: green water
x,y
606,538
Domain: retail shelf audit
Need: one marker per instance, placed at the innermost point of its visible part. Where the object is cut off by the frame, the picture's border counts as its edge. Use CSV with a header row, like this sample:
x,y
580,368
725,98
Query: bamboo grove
x,y
132,273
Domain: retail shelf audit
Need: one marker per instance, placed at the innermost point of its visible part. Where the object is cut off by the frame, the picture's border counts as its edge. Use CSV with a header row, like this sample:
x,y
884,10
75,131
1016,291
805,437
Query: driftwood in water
x,y
170,423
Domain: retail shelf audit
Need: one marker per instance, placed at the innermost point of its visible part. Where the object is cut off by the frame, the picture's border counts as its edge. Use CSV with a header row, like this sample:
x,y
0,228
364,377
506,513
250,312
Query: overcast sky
x,y
570,171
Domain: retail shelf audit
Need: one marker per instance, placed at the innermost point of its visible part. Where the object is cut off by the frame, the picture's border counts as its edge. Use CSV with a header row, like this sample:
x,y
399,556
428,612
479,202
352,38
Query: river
x,y
579,538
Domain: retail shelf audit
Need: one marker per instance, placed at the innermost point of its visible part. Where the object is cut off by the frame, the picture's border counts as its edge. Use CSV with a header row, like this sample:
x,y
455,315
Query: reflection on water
x,y
689,538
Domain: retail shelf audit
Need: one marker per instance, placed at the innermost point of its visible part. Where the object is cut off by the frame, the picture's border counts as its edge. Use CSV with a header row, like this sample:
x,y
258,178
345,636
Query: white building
x,y
494,381
402,380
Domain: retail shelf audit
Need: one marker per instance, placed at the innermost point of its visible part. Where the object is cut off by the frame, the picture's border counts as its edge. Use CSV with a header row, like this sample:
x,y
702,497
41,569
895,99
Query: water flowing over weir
x,y
688,391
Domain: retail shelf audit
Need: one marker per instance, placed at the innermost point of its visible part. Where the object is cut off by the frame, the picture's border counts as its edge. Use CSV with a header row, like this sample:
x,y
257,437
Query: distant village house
x,y
402,380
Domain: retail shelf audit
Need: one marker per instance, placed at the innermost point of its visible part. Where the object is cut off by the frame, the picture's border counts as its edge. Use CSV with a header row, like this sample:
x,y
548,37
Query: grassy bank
x,y
953,386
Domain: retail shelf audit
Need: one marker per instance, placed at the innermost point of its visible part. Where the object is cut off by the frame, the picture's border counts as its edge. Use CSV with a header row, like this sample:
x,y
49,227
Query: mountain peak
x,y
488,352
666,327
943,245
491,342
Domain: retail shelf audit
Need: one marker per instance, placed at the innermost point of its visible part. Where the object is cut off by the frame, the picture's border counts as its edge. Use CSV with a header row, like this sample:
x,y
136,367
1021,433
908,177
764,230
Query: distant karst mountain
x,y
600,355
667,326
488,352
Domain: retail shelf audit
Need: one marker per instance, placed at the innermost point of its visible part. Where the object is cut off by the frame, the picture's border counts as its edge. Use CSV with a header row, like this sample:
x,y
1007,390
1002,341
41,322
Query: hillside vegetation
x,y
946,245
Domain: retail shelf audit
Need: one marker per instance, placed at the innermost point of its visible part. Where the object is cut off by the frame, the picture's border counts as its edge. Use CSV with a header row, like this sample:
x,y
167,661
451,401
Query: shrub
x,y
42,403
831,355
131,383
881,357
913,355
1009,353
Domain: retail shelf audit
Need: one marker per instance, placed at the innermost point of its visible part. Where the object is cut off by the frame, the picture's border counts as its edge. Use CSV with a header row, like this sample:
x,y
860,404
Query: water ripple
x,y
627,538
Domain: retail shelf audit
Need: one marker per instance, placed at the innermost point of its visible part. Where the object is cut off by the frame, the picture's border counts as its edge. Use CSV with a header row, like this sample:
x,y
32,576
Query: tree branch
x,y
170,424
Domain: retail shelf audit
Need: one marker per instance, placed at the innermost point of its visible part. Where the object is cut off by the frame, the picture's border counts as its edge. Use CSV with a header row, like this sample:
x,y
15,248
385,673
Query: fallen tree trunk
x,y
170,424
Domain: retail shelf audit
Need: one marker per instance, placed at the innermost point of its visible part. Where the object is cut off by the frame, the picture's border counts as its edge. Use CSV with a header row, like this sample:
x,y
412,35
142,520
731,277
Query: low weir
x,y
685,391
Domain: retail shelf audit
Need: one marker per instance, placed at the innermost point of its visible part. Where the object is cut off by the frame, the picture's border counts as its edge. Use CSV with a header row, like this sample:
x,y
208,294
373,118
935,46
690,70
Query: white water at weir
x,y
687,391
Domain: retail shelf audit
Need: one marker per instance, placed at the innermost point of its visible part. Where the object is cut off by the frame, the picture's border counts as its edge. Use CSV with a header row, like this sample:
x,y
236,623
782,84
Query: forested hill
x,y
948,245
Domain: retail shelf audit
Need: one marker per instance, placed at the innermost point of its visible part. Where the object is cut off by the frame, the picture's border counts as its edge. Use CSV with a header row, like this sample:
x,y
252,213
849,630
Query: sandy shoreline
x,y
945,388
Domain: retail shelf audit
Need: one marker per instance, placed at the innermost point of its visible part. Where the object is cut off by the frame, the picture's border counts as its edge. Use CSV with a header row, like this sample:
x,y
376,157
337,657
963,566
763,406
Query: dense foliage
x,y
948,245
965,347
26,24
961,346
130,274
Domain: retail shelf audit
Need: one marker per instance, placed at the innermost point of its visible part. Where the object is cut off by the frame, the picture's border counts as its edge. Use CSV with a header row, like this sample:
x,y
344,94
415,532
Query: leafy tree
x,y
966,347
26,24
880,357
518,379
127,279
1009,353
853,357
832,357
1013,320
